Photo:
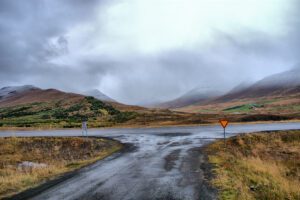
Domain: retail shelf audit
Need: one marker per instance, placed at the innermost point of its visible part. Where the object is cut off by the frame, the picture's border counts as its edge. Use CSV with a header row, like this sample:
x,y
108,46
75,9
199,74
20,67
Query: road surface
x,y
164,163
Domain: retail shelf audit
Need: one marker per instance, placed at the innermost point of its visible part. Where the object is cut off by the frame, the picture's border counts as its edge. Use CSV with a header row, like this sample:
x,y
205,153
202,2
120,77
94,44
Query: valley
x,y
149,100
274,98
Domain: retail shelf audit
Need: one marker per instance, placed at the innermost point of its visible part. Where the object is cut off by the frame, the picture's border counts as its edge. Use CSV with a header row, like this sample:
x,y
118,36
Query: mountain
x,y
120,106
98,95
18,95
240,87
6,92
281,84
30,106
275,94
195,96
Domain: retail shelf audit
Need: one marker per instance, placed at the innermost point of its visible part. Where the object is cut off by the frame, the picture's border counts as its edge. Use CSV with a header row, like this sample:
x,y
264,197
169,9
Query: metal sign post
x,y
224,123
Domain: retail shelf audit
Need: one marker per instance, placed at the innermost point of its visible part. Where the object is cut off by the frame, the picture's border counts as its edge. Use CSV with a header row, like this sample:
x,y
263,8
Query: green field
x,y
244,108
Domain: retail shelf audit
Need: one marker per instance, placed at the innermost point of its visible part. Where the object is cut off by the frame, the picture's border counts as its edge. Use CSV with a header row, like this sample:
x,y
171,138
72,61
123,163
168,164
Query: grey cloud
x,y
33,32
58,47
26,28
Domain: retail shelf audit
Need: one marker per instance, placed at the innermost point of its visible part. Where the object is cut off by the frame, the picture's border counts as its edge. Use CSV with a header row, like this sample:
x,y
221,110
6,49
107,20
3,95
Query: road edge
x,y
29,193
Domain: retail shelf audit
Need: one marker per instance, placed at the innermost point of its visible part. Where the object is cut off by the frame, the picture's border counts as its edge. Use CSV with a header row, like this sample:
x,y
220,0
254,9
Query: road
x,y
164,163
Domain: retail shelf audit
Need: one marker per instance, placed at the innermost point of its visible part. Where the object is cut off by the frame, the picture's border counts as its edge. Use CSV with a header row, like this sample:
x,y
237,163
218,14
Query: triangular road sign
x,y
223,122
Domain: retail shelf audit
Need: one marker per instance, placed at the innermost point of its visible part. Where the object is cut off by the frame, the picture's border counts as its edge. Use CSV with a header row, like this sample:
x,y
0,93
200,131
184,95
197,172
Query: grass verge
x,y
51,157
257,166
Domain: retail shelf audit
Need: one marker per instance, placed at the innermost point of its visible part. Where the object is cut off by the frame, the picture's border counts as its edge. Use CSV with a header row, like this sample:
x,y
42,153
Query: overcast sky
x,y
140,51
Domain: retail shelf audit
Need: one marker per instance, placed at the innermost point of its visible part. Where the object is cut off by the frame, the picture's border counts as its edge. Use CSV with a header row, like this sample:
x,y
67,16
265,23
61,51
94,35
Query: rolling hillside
x,y
277,85
275,94
274,98
14,96
28,106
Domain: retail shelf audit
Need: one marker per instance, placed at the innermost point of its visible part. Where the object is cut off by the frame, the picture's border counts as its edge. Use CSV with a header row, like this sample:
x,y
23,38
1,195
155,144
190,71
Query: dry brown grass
x,y
258,166
59,154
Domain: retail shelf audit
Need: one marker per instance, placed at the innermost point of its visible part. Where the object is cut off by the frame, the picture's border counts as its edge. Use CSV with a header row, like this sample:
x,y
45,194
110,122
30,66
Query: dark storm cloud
x,y
37,47
33,31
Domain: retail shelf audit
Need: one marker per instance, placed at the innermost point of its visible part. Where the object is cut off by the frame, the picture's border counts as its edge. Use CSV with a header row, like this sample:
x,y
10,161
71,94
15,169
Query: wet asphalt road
x,y
163,163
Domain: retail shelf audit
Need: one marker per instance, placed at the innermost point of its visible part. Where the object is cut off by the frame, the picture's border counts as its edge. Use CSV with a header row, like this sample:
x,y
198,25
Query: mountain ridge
x,y
284,83
275,93
25,94
98,95
29,106
194,96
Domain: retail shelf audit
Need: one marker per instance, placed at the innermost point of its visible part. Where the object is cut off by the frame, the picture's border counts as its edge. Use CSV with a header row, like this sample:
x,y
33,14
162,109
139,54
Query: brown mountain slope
x,y
28,106
276,94
39,95
277,85
257,92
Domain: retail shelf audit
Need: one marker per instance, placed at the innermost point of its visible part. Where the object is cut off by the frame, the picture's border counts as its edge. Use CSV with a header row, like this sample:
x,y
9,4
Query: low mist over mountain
x,y
9,91
240,87
278,93
98,95
18,95
282,84
145,51
195,96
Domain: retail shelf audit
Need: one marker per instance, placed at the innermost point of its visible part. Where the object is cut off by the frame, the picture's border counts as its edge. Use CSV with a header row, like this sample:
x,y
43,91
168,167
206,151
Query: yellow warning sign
x,y
223,122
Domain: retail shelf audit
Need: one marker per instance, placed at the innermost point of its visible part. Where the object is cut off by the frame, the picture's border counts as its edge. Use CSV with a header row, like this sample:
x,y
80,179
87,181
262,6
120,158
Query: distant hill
x,y
282,84
240,87
6,92
18,95
195,96
98,95
31,106
275,94
120,106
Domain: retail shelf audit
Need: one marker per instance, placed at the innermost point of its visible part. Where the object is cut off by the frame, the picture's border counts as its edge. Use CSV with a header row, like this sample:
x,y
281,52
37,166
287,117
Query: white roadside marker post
x,y
84,128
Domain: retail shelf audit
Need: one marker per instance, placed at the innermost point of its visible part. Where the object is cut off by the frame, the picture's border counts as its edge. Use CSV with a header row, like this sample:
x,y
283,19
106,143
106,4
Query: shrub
x,y
263,118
